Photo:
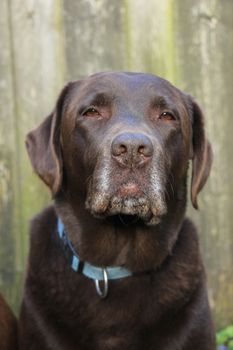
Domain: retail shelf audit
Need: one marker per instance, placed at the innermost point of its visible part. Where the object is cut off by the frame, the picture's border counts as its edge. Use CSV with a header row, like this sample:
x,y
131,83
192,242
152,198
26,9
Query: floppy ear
x,y
43,146
202,154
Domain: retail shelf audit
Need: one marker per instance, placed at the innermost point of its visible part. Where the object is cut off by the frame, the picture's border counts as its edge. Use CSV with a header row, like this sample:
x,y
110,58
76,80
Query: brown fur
x,y
8,327
115,154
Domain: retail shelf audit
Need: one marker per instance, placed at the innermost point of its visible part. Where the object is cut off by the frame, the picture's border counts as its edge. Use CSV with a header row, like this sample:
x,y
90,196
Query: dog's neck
x,y
103,242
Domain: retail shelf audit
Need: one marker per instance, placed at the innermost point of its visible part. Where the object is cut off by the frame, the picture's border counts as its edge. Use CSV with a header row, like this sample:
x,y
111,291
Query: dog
x,y
8,327
113,263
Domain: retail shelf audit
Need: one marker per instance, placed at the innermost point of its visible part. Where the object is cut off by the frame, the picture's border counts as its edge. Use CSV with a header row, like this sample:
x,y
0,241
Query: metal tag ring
x,y
102,293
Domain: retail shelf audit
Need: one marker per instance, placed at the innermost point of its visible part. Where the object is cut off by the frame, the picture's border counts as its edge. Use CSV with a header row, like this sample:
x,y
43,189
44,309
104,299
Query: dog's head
x,y
122,142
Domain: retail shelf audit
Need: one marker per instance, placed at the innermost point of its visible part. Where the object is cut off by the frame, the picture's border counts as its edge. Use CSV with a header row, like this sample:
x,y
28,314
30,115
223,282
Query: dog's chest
x,y
117,322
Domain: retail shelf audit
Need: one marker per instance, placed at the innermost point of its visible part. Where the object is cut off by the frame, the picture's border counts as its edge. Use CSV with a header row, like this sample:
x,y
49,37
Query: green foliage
x,y
225,337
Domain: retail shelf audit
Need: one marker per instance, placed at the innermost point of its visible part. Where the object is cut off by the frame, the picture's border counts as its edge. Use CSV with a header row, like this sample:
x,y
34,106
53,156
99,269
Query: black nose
x,y
132,150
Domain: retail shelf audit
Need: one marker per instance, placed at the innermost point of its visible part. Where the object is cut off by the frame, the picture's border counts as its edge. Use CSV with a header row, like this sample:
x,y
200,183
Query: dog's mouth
x,y
127,206
129,211
124,220
133,200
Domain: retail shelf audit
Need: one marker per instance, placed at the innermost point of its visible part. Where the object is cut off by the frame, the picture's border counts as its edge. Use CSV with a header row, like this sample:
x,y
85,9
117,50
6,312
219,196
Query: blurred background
x,y
45,43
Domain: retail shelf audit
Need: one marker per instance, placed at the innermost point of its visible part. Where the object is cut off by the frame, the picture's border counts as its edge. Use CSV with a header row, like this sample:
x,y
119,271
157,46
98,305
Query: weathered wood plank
x,y
94,37
38,74
35,62
205,53
9,277
150,37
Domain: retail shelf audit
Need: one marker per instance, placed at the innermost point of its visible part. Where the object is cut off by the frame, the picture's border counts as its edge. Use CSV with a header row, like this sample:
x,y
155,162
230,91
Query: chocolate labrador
x,y
113,264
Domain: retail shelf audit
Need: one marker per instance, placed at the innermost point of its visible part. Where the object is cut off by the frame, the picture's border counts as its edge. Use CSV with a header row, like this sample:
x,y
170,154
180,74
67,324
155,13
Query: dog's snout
x,y
131,149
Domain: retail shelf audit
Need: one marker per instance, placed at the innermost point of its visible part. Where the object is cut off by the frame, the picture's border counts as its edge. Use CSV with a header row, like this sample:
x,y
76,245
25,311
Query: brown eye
x,y
167,116
91,112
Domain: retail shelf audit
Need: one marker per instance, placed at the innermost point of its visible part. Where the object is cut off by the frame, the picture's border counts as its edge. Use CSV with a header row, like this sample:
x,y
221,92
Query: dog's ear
x,y
201,153
43,146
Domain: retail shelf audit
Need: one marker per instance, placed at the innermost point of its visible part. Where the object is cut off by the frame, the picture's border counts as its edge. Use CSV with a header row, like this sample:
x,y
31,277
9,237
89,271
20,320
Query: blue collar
x,y
95,273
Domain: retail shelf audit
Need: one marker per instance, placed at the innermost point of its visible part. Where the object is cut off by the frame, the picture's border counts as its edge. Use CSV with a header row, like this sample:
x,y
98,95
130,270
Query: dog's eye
x,y
91,112
167,116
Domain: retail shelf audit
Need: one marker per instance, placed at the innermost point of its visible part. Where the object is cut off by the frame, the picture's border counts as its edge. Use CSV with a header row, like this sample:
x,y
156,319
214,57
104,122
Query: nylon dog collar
x,y
93,272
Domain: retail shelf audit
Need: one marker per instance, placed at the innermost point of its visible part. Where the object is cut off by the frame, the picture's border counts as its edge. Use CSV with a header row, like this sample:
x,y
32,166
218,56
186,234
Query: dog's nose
x,y
131,149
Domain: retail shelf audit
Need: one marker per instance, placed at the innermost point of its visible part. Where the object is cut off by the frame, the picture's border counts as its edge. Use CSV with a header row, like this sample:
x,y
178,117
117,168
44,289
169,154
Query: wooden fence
x,y
45,43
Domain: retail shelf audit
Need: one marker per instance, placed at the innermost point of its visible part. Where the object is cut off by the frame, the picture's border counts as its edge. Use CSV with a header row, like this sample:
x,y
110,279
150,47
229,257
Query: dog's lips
x,y
130,201
128,198
129,189
126,205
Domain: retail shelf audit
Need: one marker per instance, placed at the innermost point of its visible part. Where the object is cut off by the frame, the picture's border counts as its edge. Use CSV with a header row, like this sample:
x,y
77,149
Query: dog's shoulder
x,y
43,220
182,274
187,246
189,233
186,256
42,230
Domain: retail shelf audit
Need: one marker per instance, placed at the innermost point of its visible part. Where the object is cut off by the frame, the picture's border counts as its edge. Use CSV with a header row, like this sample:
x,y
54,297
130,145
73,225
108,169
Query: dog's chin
x,y
128,210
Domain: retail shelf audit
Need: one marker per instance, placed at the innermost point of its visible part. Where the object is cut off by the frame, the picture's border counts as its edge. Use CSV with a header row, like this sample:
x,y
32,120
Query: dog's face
x,y
122,141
